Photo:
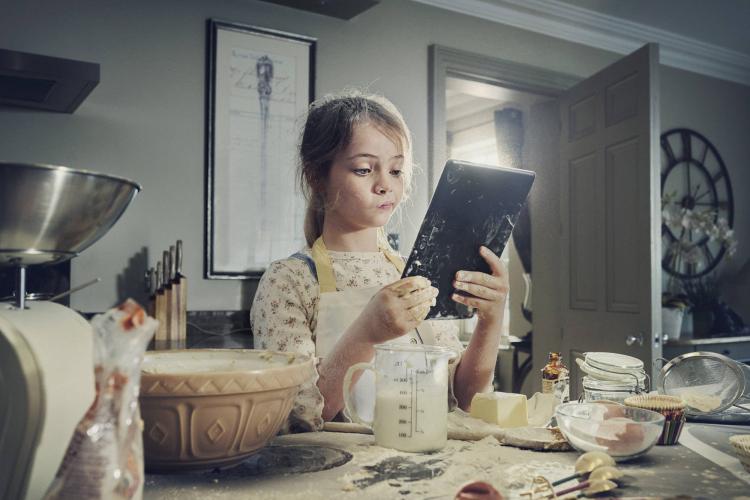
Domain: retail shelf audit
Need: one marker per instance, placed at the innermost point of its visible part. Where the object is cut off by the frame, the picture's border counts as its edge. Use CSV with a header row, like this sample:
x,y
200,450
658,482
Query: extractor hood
x,y
342,9
45,82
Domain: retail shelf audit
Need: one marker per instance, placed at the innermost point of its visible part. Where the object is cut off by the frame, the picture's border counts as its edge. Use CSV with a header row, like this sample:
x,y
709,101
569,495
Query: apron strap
x,y
324,267
395,259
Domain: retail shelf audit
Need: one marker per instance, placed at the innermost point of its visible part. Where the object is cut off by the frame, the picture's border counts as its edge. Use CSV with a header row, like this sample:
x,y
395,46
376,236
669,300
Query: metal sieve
x,y
707,382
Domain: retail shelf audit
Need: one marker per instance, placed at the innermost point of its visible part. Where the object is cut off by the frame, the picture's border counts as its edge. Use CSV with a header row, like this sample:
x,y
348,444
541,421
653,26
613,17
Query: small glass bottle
x,y
555,379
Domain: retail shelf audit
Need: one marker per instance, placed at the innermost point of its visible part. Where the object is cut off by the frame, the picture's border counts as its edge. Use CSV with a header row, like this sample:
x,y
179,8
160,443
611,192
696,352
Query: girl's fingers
x,y
409,285
418,312
476,303
480,291
477,278
425,295
495,262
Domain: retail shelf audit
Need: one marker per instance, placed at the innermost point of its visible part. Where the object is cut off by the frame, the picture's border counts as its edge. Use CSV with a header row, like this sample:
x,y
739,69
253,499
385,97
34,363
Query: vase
x,y
671,322
703,322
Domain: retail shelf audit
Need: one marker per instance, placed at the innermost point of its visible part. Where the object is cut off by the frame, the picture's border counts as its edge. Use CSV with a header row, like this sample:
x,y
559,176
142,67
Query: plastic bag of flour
x,y
105,456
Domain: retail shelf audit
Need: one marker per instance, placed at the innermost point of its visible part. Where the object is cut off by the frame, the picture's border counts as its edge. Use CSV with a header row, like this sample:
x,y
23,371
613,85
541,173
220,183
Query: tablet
x,y
473,205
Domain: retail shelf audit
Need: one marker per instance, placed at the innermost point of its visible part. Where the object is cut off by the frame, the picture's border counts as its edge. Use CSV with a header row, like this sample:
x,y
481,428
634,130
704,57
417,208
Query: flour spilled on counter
x,y
389,474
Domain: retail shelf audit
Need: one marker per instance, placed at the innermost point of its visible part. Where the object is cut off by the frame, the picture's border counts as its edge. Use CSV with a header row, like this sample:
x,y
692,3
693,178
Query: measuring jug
x,y
411,396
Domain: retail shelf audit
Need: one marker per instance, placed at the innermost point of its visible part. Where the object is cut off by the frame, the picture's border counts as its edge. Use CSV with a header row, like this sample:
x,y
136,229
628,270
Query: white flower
x,y
692,224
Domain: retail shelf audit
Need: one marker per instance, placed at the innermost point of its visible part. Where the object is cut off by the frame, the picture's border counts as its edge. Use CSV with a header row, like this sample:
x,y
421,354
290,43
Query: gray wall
x,y
145,120
721,112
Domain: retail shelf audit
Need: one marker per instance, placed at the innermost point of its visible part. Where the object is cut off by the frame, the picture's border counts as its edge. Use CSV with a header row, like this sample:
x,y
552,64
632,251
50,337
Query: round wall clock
x,y
693,177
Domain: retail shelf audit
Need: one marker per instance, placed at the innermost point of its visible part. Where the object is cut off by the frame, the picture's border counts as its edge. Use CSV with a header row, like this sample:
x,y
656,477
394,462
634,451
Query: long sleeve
x,y
283,318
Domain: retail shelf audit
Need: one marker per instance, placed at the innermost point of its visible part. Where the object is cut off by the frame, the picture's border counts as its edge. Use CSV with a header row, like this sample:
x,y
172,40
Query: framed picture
x,y
260,83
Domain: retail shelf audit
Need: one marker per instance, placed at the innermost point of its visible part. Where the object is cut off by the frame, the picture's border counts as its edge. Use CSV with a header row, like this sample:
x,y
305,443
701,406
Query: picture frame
x,y
260,83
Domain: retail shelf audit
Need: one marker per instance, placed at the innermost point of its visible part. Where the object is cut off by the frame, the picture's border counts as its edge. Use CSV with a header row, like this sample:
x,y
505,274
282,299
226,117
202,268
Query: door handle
x,y
632,339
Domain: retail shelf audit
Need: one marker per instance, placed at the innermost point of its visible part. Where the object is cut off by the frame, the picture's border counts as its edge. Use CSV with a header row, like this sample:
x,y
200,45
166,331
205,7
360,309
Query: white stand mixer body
x,y
61,342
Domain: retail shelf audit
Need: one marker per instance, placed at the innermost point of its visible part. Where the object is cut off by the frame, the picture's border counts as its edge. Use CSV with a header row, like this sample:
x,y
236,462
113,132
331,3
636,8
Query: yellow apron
x,y
338,309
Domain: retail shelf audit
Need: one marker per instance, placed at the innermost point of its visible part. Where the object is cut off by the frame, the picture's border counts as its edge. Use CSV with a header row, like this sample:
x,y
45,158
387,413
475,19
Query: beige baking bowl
x,y
205,408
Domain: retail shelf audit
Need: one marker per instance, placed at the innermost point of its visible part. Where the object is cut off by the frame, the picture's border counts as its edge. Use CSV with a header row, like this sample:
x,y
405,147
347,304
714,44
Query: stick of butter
x,y
504,409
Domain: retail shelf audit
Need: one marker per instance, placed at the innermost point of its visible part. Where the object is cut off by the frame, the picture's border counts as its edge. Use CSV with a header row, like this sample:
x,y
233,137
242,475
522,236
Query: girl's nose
x,y
382,186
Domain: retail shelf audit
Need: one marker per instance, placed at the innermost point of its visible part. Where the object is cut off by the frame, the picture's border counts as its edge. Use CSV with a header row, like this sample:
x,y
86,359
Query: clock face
x,y
696,194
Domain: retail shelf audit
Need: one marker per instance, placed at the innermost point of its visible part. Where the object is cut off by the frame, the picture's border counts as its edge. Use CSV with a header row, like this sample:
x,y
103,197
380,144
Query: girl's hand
x,y
488,291
398,308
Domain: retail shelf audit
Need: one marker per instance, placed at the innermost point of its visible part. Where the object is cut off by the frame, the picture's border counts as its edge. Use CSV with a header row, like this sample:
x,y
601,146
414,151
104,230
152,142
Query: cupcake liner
x,y
741,445
671,407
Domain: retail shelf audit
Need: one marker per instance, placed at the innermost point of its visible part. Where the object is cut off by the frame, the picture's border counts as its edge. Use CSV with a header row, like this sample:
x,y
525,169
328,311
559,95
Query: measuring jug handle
x,y
347,391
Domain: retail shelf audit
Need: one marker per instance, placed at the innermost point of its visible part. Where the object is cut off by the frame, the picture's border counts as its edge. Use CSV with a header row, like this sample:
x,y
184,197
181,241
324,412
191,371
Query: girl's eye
x,y
397,173
362,171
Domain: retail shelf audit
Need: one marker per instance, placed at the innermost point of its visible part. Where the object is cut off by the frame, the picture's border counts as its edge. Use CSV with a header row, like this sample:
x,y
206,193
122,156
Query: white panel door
x,y
610,213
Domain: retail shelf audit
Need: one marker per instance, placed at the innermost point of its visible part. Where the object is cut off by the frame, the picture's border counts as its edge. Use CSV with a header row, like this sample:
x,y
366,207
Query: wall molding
x,y
575,24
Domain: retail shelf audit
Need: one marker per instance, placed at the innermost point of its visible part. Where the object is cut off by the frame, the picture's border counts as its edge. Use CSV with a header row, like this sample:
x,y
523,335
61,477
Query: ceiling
x,y
725,23
702,36
700,20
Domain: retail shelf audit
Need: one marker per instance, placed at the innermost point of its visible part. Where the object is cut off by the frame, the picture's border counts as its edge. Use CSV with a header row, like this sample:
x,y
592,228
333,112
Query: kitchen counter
x,y
701,466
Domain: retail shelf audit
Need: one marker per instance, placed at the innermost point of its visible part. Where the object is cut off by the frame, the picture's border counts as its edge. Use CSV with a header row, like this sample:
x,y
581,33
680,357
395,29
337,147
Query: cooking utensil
x,y
590,487
167,284
48,214
51,213
74,289
411,411
181,282
708,383
623,432
160,338
184,393
605,472
151,290
34,296
174,327
586,463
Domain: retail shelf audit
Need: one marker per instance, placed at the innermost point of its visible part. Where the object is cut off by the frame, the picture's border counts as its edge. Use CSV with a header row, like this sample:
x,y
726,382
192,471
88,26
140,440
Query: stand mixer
x,y
48,214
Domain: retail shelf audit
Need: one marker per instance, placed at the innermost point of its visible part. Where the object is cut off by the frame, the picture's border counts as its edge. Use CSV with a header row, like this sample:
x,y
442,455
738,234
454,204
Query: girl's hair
x,y
328,129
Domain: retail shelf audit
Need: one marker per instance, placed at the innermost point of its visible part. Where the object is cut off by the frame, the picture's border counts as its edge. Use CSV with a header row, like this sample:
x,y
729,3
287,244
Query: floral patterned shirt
x,y
284,316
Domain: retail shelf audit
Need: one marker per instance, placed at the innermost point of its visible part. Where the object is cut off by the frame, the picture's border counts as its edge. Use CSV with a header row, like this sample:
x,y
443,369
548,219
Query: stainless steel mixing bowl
x,y
49,213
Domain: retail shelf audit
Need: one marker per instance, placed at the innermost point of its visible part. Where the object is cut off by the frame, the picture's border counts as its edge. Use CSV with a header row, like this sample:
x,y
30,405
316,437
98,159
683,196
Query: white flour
x,y
388,474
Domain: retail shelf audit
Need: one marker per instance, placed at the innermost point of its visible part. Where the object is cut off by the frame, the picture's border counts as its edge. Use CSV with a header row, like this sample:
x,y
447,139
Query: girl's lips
x,y
385,206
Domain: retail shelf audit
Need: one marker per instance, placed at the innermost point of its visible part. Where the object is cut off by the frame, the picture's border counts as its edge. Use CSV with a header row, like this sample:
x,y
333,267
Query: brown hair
x,y
328,129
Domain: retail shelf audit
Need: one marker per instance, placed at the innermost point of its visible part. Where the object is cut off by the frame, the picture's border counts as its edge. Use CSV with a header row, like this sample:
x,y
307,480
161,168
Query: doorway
x,y
594,145
488,123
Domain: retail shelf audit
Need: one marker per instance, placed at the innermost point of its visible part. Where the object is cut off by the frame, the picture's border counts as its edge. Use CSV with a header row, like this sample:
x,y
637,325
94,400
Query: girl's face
x,y
365,183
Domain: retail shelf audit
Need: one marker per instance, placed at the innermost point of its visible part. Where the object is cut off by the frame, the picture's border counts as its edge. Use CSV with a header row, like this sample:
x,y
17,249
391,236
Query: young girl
x,y
342,294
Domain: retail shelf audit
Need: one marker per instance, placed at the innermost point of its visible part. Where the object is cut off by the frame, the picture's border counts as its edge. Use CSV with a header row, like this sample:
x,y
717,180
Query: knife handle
x,y
178,258
159,310
172,263
166,267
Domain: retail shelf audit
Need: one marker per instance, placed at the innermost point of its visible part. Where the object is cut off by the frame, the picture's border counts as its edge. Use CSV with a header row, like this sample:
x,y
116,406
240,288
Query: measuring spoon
x,y
586,463
590,487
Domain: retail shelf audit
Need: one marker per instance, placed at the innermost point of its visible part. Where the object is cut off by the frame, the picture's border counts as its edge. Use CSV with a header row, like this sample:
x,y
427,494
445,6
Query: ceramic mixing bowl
x,y
206,408
621,431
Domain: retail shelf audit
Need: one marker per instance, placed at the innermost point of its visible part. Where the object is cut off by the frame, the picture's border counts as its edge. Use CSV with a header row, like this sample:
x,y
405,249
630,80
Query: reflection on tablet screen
x,y
473,205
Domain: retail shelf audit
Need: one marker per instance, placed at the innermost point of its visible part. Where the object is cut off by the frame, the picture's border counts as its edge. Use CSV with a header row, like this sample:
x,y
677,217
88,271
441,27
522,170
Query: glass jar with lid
x,y
612,376
612,390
